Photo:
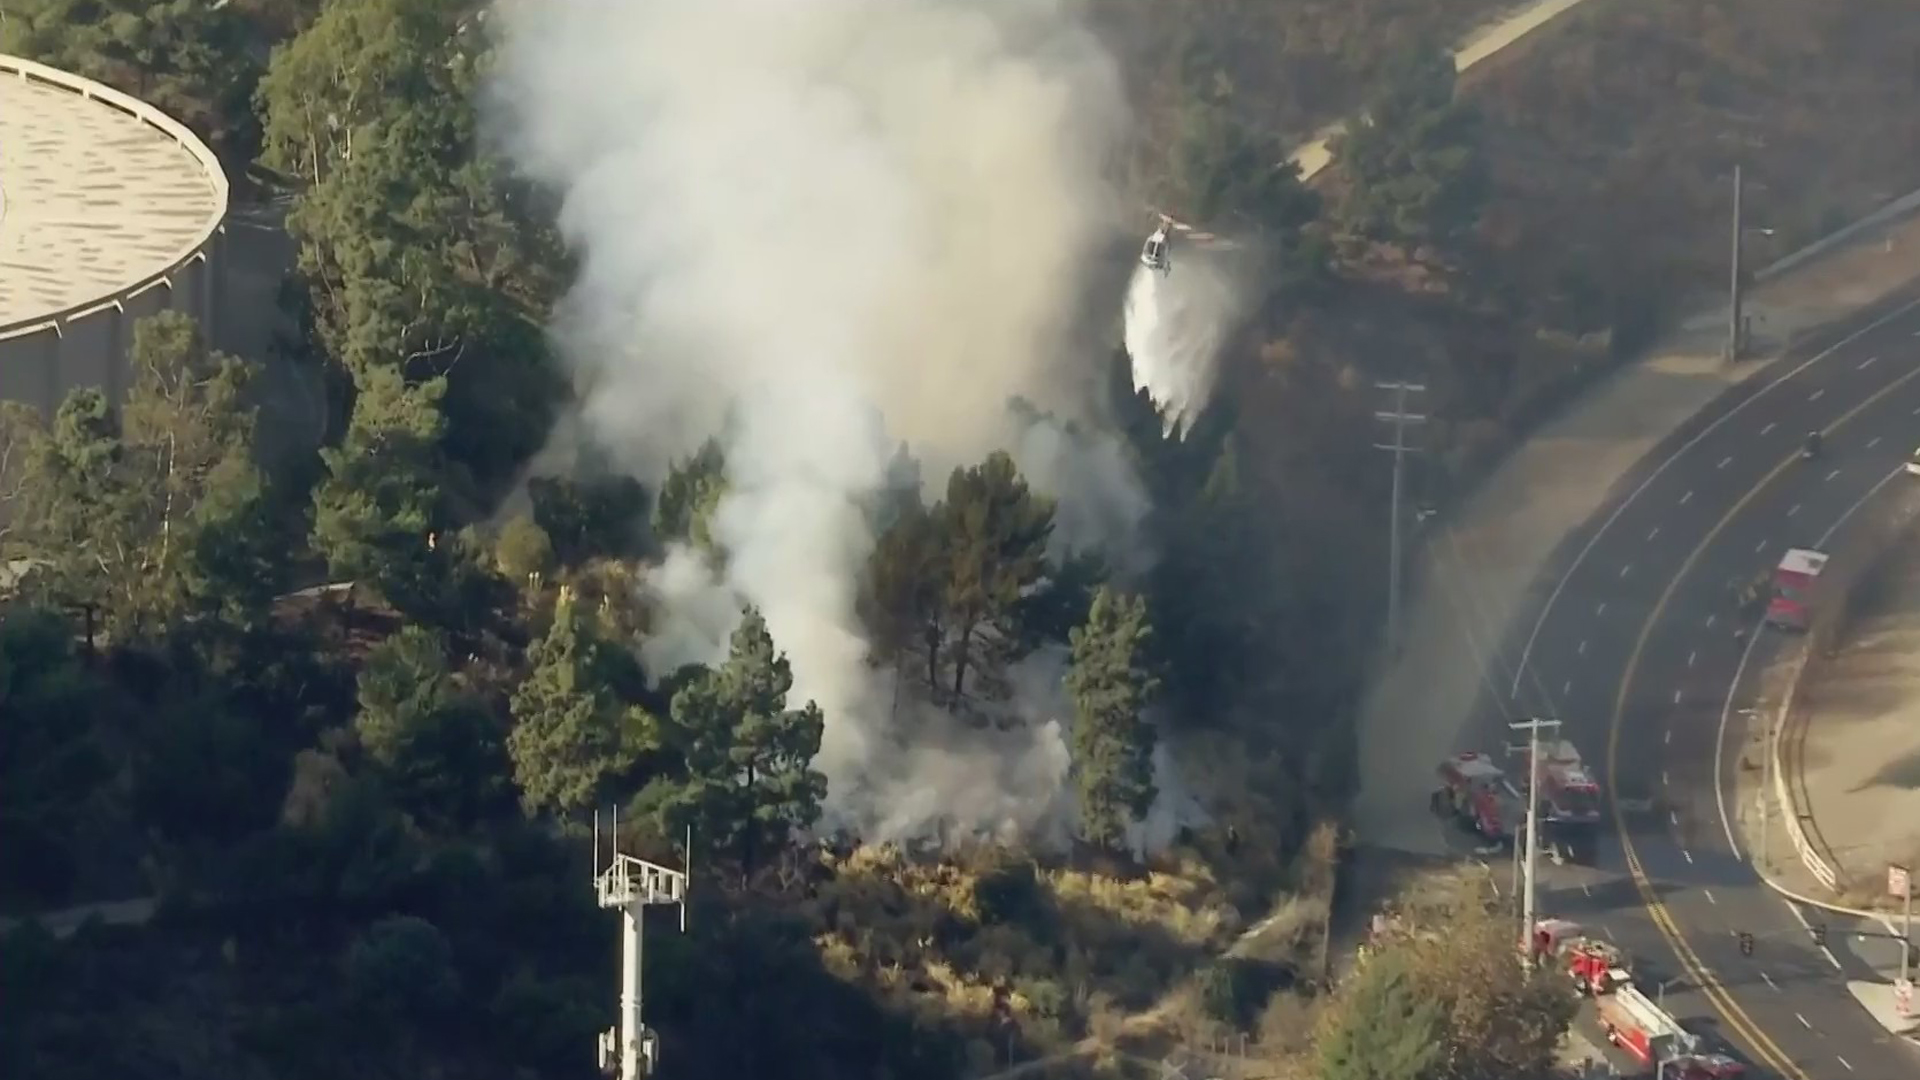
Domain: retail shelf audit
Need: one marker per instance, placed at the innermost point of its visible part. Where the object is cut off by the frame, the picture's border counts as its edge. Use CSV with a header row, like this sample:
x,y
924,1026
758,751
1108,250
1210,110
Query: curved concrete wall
x,y
46,355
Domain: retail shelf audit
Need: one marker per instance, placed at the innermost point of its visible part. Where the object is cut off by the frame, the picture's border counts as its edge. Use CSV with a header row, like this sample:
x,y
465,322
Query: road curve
x,y
1636,646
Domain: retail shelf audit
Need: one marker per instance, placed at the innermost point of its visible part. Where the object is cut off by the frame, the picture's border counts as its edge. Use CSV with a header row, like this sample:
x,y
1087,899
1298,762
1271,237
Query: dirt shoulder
x,y
1859,753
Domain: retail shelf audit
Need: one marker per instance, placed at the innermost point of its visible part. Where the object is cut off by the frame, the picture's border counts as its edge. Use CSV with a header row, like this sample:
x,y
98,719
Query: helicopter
x,y
1155,253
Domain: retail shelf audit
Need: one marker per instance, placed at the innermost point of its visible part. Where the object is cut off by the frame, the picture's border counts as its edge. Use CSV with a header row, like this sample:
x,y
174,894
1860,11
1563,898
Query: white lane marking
x,y
1655,532
1720,738
1808,927
1770,982
1540,621
1816,395
1794,509
1771,424
1602,609
1726,709
1724,462
1709,895
1625,570
1803,1021
1837,1057
1673,817
1606,932
1582,650
1759,547
1833,474
1663,778
1566,689
1710,620
1688,497
1688,854
1868,362
1585,889
1676,697
1692,656
1873,442
1669,738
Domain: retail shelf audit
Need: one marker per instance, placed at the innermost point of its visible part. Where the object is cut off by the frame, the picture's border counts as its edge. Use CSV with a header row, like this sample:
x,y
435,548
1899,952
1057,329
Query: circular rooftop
x,y
101,194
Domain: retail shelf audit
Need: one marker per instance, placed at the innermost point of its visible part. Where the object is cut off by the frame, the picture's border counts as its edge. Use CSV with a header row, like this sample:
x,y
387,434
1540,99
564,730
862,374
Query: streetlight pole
x,y
1903,877
1766,789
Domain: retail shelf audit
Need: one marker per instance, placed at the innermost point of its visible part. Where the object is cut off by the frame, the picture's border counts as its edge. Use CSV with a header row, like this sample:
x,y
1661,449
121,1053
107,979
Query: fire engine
x,y
1631,1020
1475,792
1795,588
1569,804
1593,966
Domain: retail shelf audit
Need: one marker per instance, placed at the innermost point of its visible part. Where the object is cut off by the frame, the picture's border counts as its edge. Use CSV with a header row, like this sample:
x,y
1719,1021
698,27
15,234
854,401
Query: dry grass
x,y
1072,957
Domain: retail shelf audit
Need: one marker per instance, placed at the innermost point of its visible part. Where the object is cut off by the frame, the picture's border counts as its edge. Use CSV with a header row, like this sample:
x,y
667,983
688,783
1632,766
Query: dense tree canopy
x,y
154,512
1413,160
188,57
417,254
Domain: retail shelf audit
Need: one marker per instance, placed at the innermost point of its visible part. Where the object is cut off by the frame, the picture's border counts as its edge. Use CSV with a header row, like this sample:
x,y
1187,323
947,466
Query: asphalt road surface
x,y
1635,644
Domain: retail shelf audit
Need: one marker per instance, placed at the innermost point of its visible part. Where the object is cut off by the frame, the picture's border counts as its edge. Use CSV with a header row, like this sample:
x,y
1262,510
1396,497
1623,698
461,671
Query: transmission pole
x,y
1532,859
631,1050
1734,335
1400,418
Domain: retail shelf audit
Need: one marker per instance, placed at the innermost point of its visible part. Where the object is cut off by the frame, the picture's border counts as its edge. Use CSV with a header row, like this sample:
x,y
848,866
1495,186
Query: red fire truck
x,y
1594,966
1475,792
1569,804
1795,588
1632,1021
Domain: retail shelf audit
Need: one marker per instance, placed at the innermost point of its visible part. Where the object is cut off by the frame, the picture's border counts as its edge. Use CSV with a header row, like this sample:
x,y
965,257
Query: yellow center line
x,y
1765,1048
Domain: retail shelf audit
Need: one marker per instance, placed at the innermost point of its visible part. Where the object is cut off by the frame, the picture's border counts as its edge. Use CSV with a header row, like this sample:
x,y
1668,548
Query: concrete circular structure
x,y
110,210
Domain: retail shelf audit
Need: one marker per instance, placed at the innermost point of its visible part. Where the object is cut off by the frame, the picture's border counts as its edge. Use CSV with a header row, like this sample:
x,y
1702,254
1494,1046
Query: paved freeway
x,y
1636,646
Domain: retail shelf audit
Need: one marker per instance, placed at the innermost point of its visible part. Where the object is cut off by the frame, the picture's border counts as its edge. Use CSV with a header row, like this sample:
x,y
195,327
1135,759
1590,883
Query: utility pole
x,y
1733,293
630,1051
1400,418
1532,858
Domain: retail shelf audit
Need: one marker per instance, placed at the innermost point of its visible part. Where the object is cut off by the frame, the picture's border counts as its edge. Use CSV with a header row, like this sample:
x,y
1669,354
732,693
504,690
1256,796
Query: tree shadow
x,y
1901,772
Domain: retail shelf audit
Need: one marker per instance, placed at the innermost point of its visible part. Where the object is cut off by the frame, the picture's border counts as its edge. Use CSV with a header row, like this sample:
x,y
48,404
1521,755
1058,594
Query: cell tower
x,y
631,1050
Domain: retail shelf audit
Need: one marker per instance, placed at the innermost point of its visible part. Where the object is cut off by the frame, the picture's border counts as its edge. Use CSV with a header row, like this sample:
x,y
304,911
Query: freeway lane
x,y
1649,596
1812,1018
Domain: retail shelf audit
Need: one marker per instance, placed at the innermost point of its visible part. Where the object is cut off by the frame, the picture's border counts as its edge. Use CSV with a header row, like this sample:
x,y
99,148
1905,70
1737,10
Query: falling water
x,y
1176,321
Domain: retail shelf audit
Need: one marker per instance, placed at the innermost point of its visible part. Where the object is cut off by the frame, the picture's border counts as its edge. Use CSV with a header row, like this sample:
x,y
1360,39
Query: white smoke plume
x,y
1176,323
837,224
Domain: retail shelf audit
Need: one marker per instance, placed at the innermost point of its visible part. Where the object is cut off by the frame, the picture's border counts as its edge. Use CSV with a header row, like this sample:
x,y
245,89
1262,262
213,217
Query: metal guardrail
x,y
32,71
1790,810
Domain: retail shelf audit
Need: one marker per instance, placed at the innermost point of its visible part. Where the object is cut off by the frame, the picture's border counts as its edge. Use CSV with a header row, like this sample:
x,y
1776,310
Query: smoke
x,y
1176,322
835,224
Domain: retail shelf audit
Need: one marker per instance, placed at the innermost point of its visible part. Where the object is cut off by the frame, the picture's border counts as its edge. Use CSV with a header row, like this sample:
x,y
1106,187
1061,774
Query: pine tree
x,y
690,495
572,734
750,781
995,530
900,598
1113,742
